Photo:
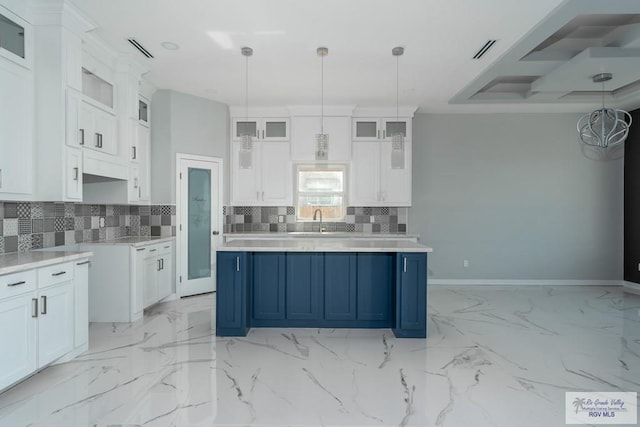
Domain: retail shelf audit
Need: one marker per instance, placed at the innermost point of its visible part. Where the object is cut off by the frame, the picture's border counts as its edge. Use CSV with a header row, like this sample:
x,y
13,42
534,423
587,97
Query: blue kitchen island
x,y
317,283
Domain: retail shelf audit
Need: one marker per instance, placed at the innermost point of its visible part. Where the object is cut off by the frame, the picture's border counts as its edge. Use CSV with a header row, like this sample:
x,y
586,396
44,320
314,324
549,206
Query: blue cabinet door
x,y
231,318
411,295
268,285
375,278
339,286
304,279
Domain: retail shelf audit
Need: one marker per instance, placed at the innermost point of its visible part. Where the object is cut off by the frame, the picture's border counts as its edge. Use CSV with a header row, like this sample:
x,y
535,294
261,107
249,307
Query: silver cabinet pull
x,y
161,263
404,262
152,250
100,140
167,247
384,134
81,131
60,273
215,233
139,193
378,132
263,196
257,195
22,282
237,263
34,307
141,249
75,174
159,266
135,182
134,155
83,262
97,145
44,304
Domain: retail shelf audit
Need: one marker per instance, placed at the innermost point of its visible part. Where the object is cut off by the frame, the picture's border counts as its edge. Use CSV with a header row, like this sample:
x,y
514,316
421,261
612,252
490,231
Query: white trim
x,y
178,255
520,282
631,287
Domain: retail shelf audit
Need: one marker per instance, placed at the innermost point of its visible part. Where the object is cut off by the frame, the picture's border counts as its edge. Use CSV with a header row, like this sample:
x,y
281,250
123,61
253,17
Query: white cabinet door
x,y
390,126
73,174
275,186
303,138
274,129
104,129
164,275
142,155
55,322
244,189
150,280
395,183
137,281
16,129
365,174
366,129
81,303
75,129
17,338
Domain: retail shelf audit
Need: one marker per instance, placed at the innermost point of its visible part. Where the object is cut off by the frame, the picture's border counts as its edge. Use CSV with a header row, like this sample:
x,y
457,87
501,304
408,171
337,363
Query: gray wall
x,y
517,196
186,124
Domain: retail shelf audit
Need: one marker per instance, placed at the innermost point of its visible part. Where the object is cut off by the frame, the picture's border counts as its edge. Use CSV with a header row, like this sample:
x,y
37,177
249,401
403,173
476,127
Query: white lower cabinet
x,y
55,322
18,339
157,273
44,313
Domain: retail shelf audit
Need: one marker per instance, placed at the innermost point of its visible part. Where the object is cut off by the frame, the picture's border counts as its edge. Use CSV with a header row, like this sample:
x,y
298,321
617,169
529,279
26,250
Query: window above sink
x,y
321,187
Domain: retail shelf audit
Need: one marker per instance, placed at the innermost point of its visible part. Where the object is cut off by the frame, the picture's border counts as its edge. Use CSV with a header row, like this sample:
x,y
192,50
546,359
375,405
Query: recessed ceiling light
x,y
170,45
222,39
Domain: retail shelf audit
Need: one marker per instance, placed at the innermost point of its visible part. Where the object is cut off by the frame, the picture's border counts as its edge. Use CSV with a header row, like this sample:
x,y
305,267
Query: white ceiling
x,y
439,36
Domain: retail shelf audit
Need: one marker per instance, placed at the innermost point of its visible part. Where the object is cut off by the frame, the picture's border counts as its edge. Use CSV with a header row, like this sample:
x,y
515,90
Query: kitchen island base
x,y
321,290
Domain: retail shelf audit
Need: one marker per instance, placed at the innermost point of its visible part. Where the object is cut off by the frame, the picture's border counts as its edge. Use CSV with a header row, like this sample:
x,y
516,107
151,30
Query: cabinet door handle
x,y
135,182
162,263
22,282
378,132
59,273
83,262
263,134
34,307
81,131
75,174
384,134
44,304
257,195
139,193
152,250
263,196
158,269
167,247
404,264
141,249
100,140
134,155
237,263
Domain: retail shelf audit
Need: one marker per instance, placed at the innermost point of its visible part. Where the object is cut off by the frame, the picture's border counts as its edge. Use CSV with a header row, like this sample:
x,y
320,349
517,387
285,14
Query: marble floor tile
x,y
495,356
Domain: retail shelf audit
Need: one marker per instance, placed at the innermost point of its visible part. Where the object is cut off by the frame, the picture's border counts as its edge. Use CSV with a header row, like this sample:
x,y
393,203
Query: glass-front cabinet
x,y
262,129
380,129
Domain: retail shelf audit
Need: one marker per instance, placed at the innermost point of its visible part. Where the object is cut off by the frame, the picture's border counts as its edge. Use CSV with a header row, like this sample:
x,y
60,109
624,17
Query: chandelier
x,y
605,127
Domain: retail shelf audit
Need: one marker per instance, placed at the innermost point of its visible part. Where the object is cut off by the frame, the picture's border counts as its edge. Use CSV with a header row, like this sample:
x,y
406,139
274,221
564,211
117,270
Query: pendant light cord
x,y
397,85
322,94
246,89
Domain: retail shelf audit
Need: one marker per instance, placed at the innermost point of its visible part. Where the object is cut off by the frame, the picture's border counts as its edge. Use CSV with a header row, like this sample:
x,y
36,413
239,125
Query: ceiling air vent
x,y
484,49
140,48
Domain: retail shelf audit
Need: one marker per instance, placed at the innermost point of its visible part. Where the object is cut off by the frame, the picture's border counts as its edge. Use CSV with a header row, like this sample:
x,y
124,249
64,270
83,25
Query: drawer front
x,y
165,248
17,283
53,274
152,251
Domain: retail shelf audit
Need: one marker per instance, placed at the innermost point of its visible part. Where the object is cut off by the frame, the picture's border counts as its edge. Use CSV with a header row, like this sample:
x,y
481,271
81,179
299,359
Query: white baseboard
x,y
519,282
631,287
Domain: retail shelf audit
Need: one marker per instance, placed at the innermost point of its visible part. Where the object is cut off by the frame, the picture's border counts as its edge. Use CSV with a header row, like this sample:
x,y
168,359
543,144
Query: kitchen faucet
x,y
315,214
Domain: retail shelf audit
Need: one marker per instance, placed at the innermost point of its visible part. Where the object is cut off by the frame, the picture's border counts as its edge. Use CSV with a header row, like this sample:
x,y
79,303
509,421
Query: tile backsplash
x,y
238,219
34,225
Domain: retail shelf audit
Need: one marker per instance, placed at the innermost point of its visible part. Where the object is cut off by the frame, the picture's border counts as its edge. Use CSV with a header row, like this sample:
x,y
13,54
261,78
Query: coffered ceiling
x,y
544,56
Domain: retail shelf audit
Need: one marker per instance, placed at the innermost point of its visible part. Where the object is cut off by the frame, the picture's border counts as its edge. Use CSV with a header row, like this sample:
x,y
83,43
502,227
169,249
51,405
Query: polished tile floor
x,y
495,356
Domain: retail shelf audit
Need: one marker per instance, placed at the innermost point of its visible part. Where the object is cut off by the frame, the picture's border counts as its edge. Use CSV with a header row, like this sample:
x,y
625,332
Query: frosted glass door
x,y
199,223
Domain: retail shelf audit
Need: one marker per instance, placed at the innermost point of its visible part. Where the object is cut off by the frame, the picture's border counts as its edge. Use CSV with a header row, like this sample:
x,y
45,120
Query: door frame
x,y
179,214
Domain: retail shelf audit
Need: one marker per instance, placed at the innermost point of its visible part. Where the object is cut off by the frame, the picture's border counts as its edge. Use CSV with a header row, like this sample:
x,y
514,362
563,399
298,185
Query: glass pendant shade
x,y
606,127
322,146
322,139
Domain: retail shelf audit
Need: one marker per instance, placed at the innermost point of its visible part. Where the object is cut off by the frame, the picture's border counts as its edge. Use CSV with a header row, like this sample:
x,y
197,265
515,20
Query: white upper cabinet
x,y
99,128
16,135
263,177
262,129
380,129
303,137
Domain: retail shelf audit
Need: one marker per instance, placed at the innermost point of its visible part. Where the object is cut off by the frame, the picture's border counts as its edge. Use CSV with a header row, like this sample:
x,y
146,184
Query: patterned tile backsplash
x,y
34,225
238,219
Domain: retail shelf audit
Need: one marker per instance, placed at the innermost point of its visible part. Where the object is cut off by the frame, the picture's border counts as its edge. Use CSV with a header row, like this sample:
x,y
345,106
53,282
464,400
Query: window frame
x,y
333,167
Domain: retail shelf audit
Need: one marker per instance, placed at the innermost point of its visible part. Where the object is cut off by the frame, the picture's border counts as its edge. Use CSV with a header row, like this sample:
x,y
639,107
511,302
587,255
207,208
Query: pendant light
x,y
245,156
322,139
397,137
605,127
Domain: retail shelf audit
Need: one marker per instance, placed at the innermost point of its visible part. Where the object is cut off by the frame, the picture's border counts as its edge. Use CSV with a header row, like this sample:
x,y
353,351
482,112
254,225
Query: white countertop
x,y
132,241
14,262
323,245
323,235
